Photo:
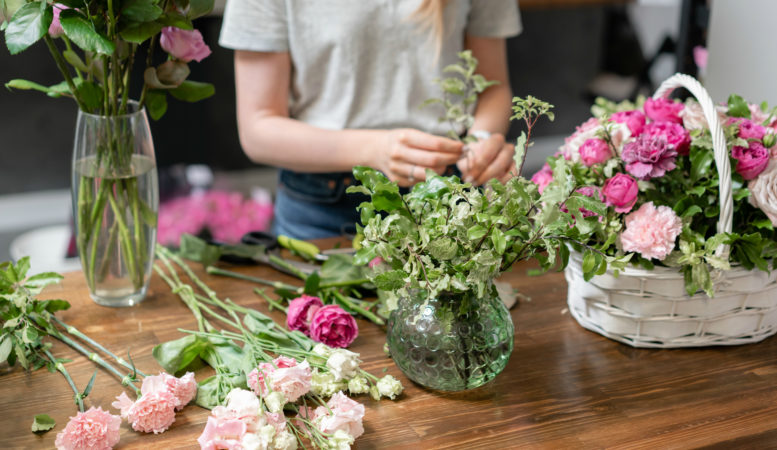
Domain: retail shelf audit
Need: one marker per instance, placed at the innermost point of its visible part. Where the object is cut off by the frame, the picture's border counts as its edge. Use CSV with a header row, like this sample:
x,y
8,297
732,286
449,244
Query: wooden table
x,y
563,387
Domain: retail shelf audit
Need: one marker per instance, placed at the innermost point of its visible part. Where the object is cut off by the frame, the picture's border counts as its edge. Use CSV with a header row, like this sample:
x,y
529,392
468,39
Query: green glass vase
x,y
452,342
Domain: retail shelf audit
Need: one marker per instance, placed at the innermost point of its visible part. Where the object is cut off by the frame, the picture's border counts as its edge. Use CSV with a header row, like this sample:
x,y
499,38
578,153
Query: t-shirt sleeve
x,y
255,25
494,18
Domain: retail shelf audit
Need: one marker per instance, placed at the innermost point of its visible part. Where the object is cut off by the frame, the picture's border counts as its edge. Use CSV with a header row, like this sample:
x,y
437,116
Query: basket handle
x,y
718,144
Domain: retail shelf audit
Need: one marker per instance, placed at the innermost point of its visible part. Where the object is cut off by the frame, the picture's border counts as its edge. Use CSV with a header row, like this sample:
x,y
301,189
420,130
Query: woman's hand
x,y
487,159
407,153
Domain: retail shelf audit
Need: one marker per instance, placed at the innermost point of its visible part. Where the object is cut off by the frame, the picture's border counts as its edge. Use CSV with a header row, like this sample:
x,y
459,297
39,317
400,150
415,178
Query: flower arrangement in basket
x,y
701,236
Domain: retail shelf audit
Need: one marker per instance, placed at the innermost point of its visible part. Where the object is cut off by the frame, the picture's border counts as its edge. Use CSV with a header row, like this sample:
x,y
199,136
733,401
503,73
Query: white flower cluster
x,y
344,374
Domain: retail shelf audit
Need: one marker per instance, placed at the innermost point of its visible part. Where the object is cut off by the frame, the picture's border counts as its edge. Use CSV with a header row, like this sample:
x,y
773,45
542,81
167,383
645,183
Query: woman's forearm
x,y
494,109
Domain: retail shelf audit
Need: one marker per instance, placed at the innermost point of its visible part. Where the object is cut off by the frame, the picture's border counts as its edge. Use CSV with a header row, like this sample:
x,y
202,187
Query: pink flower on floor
x,y
651,231
184,45
751,160
184,389
542,177
257,377
346,415
293,382
595,151
674,134
301,311
647,157
634,119
663,110
151,413
333,326
222,434
93,429
620,192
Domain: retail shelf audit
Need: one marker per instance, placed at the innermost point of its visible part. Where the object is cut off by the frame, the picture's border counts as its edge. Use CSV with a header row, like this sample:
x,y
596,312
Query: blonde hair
x,y
431,14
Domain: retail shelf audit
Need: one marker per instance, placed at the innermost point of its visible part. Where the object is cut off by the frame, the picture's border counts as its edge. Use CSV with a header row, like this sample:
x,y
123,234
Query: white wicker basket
x,y
650,308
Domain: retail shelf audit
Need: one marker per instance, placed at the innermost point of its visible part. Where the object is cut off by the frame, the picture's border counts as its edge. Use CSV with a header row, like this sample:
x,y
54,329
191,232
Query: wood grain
x,y
564,387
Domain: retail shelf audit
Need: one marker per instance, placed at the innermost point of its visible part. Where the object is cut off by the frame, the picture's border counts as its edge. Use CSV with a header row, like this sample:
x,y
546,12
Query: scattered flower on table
x,y
161,396
333,326
93,429
301,311
284,376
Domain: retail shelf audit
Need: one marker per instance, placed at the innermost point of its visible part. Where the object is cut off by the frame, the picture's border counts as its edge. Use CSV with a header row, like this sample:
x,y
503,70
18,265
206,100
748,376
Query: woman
x,y
323,86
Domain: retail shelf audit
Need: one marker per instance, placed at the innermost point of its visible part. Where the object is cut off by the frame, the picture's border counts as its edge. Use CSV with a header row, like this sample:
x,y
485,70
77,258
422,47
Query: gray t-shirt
x,y
362,63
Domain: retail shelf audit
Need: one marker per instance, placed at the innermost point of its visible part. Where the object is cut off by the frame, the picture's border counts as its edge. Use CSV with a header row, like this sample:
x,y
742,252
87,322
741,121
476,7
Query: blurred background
x,y
569,52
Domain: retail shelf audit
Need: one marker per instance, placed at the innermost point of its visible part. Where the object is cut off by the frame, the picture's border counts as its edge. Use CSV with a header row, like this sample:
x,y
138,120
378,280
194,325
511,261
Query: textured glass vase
x,y
453,342
115,202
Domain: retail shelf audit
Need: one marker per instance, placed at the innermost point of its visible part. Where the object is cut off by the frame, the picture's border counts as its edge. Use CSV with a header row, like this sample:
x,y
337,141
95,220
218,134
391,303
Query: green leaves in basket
x,y
42,423
737,107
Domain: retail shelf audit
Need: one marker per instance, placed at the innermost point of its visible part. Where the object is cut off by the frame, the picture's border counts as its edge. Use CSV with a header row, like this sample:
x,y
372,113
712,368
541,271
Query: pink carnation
x,y
663,110
184,45
595,151
256,378
222,434
648,157
333,326
543,177
651,231
634,119
751,160
94,429
184,389
346,415
152,412
301,311
674,134
620,192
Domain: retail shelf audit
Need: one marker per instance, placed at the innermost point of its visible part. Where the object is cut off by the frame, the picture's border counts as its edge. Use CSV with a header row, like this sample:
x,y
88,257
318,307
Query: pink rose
x,y
55,29
301,311
651,231
346,415
333,326
634,119
649,157
571,148
763,191
183,389
751,160
620,192
94,429
222,434
256,378
293,382
663,110
749,129
184,45
152,412
543,177
675,135
595,151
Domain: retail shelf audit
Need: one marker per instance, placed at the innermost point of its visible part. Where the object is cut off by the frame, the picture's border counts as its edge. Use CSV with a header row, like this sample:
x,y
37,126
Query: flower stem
x,y
273,303
61,368
367,314
228,273
62,66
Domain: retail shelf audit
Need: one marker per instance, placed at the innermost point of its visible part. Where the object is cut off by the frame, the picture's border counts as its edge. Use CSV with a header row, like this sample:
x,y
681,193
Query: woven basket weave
x,y
650,308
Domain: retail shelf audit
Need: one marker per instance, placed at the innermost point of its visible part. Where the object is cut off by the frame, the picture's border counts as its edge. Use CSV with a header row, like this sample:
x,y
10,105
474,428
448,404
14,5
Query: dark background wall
x,y
557,55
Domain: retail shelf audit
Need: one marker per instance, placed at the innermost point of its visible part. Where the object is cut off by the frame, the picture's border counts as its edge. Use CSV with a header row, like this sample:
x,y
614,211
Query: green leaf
x,y
198,8
139,32
391,280
82,33
89,385
498,240
737,107
311,283
156,103
75,60
5,347
520,150
691,211
476,232
174,19
25,85
178,355
140,10
208,393
589,263
90,93
701,160
42,423
27,26
43,279
193,91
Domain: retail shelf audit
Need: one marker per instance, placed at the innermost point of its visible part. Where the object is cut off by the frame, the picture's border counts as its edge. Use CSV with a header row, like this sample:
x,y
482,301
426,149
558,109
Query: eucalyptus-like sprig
x,y
528,109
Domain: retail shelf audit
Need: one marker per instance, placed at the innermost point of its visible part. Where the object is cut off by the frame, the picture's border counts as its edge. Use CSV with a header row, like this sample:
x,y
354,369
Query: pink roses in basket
x,y
329,324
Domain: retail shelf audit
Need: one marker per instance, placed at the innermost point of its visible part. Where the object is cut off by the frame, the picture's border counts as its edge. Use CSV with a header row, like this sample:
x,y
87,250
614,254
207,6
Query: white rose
x,y
389,386
344,364
763,191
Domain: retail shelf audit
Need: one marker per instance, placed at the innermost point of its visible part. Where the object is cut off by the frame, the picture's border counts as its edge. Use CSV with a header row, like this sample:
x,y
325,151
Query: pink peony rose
x,y
595,151
663,110
651,231
55,29
543,177
674,134
649,157
620,192
152,412
293,382
333,326
571,148
301,311
184,389
184,45
634,119
94,429
346,415
751,160
749,129
222,434
259,377
763,191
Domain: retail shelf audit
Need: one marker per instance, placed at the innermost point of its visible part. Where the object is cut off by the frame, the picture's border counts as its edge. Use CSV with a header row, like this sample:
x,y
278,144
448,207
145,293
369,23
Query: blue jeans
x,y
315,205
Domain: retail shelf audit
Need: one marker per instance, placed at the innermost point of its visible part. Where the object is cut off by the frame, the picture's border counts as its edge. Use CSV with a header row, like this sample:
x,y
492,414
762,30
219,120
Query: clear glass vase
x,y
115,203
452,342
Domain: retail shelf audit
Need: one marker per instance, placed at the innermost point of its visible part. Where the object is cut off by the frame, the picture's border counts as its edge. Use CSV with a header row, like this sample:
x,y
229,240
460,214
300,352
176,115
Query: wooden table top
x,y
563,387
